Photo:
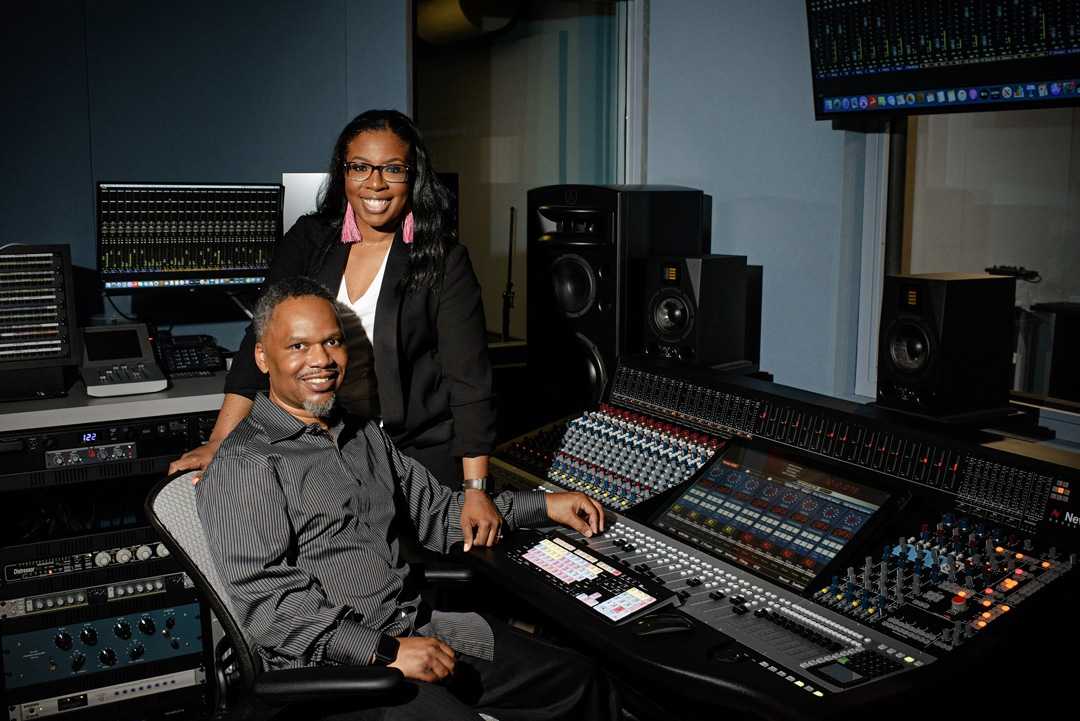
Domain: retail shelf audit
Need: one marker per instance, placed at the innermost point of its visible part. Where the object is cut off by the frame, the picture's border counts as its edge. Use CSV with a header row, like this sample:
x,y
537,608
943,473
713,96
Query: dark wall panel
x,y
46,171
202,91
379,55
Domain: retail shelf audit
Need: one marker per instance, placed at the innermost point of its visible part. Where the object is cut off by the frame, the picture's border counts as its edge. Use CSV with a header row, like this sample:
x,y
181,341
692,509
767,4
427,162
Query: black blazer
x,y
431,360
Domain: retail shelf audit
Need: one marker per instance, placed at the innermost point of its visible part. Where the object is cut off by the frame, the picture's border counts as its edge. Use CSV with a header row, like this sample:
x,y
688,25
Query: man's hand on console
x,y
576,510
480,520
423,659
197,459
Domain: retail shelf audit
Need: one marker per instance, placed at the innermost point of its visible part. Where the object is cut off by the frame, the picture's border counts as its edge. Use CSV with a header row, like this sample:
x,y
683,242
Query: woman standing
x,y
382,240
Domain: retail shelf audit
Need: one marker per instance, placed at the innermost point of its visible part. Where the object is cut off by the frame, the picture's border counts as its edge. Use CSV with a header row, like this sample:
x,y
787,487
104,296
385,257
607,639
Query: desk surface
x,y
184,395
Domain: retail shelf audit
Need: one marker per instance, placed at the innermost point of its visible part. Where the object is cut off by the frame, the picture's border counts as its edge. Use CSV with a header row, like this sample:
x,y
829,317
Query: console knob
x,y
107,656
102,558
136,652
123,555
122,630
88,636
77,661
63,641
143,553
147,625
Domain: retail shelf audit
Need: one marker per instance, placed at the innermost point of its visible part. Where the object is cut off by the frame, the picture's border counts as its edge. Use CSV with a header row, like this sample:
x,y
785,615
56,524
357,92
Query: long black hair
x,y
429,199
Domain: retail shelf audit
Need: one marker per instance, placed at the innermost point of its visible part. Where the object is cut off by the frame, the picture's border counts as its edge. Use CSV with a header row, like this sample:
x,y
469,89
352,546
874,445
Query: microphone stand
x,y
508,293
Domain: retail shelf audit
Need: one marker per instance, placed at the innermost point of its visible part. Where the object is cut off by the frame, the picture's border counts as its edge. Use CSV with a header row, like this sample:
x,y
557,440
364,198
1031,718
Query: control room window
x,y
1002,189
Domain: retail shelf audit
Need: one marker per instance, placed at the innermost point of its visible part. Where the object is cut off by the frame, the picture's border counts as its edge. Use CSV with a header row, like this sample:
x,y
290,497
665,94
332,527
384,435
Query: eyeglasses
x,y
392,173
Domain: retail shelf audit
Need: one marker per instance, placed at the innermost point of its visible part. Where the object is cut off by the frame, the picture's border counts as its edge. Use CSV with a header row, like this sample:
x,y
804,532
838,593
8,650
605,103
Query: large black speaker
x,y
695,309
946,343
580,241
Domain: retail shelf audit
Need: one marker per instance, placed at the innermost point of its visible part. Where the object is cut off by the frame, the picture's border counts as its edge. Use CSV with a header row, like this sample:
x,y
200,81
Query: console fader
x,y
817,556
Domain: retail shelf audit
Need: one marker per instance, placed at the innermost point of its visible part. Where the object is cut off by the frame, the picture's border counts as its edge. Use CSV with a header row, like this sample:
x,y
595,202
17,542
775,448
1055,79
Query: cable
x,y
240,304
119,312
1018,272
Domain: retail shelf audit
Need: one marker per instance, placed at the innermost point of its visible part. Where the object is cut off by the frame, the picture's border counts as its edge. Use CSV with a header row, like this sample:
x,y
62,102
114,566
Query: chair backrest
x,y
171,509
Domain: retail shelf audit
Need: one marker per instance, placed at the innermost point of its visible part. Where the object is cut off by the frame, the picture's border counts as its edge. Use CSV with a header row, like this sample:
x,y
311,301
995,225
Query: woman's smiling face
x,y
378,205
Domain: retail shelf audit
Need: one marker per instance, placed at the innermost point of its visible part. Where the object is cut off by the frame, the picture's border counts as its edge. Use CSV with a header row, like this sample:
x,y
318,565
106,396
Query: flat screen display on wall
x,y
898,57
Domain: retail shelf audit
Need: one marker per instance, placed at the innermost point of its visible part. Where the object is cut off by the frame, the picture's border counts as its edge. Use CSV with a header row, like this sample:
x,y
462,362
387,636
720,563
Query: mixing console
x,y
812,543
619,457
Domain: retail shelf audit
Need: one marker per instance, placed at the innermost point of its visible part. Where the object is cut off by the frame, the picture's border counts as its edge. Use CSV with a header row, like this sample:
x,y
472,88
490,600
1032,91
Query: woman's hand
x,y
197,459
233,410
480,520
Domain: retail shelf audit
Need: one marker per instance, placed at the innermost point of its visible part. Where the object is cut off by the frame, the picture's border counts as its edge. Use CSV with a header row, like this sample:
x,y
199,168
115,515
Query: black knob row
x,y
122,629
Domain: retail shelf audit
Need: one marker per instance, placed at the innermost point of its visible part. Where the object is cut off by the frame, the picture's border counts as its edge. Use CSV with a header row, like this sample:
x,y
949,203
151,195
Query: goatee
x,y
321,409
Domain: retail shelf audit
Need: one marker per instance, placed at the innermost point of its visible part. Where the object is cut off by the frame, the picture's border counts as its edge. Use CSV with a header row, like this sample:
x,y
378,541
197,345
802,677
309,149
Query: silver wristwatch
x,y
476,484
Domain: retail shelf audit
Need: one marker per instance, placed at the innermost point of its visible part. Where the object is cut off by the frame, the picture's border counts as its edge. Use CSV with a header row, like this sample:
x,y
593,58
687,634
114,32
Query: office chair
x,y
242,690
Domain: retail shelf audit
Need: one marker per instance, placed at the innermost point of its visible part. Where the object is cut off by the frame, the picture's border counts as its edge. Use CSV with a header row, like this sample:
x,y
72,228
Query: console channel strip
x,y
620,457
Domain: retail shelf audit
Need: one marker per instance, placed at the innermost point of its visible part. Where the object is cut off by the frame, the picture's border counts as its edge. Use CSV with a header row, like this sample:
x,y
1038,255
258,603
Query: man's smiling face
x,y
303,350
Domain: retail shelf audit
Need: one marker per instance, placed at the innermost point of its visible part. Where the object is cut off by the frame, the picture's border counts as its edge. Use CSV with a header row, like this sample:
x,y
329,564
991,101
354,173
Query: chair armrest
x,y
298,684
442,575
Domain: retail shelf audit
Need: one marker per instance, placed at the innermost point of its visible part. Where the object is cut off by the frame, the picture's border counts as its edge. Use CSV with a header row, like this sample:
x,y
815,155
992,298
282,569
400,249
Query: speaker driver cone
x,y
574,284
671,315
909,347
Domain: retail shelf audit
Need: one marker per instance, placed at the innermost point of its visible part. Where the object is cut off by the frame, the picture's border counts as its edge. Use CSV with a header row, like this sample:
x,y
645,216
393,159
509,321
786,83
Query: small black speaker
x,y
695,309
946,343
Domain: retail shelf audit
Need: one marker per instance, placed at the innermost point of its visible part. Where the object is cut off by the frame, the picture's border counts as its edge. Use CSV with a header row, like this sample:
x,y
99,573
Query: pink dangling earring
x,y
349,232
407,229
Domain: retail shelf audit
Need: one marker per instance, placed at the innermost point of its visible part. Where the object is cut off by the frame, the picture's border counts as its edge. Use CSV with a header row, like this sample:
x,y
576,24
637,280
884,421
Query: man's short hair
x,y
298,286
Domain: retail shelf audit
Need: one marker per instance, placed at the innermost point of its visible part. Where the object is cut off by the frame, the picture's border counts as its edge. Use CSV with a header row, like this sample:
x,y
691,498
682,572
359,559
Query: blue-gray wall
x,y
194,91
730,112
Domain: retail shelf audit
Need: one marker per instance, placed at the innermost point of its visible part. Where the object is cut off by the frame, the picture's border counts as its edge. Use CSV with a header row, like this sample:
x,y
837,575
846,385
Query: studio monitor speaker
x,y
946,343
695,309
580,241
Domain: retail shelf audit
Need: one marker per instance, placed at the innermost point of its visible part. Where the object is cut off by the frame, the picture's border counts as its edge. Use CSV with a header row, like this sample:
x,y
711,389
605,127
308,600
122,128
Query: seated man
x,y
303,508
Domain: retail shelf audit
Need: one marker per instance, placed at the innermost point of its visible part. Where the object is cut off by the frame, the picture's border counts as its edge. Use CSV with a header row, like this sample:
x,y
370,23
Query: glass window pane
x,y
535,103
1003,189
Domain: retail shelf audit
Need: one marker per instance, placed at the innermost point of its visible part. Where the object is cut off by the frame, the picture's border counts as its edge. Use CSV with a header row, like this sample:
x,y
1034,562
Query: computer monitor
x,y
879,57
157,236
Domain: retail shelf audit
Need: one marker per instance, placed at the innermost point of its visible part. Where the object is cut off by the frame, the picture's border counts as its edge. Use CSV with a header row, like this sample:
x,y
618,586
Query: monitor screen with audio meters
x,y
168,236
884,58
783,519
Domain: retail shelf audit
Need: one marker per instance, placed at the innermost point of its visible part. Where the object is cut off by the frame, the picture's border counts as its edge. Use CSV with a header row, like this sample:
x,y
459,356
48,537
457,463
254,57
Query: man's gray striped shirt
x,y
304,528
